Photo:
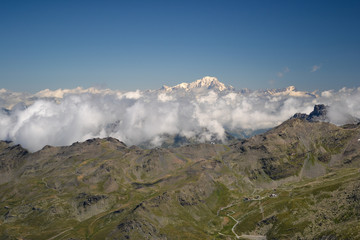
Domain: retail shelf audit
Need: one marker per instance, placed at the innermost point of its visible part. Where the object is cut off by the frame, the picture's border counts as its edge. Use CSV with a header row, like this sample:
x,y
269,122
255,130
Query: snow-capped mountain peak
x,y
289,91
205,83
208,82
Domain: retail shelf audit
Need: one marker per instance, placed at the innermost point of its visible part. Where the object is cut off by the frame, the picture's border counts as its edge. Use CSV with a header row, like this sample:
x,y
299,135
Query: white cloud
x,y
315,68
163,97
327,93
135,117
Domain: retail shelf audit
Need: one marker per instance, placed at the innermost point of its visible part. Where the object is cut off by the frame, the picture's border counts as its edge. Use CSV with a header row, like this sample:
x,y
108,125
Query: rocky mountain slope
x,y
299,180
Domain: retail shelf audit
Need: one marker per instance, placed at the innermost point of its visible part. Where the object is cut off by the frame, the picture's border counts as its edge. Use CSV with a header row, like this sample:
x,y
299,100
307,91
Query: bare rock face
x,y
87,205
11,158
319,114
144,229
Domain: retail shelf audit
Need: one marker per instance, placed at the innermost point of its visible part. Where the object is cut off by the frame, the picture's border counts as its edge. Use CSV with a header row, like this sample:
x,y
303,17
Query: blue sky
x,y
130,45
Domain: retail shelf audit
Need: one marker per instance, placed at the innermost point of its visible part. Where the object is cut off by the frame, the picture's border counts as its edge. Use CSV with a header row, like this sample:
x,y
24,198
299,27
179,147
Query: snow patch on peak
x,y
182,85
290,91
206,82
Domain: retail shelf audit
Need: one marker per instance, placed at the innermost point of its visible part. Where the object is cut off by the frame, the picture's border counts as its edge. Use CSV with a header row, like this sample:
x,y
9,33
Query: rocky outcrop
x,y
11,158
319,114
88,205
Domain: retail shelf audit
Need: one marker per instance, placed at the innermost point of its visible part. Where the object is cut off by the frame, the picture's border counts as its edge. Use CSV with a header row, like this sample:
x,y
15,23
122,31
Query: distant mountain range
x,y
9,99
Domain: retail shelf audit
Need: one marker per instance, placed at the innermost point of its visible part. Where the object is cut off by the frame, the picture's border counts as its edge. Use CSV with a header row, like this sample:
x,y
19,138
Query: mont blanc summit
x,y
210,83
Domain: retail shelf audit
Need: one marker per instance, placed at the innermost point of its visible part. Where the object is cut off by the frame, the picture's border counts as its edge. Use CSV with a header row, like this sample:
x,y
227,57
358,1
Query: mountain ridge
x,y
9,99
102,188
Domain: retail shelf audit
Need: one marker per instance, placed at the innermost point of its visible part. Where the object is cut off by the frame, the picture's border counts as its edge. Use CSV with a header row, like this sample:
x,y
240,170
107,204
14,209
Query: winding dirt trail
x,y
59,234
243,236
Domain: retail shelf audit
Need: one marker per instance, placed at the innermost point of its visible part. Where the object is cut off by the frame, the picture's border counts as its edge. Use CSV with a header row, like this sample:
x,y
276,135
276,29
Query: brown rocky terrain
x,y
298,180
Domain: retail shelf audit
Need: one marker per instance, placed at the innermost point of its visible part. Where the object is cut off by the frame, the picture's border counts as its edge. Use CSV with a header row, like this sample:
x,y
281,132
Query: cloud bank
x,y
137,117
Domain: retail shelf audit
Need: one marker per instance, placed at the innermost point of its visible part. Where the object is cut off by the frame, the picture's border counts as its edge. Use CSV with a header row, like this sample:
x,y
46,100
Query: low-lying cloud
x,y
137,117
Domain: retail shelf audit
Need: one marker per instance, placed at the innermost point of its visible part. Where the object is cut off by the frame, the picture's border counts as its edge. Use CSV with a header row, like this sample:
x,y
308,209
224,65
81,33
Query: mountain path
x,y
61,233
243,236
